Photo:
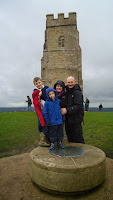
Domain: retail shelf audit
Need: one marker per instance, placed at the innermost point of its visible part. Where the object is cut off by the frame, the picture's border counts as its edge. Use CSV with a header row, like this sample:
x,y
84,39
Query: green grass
x,y
17,130
98,130
20,129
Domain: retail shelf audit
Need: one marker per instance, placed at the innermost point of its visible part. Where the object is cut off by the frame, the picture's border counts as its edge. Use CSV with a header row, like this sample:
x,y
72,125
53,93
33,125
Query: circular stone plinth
x,y
68,174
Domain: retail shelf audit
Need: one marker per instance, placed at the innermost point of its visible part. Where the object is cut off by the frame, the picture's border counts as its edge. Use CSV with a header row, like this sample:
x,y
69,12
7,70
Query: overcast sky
x,y
22,27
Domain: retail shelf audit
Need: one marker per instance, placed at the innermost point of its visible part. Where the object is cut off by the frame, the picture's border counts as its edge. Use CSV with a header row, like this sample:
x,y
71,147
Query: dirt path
x,y
22,150
16,184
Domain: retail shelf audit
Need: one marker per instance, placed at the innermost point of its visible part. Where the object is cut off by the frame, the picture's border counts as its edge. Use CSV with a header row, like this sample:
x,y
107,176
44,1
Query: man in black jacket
x,y
74,111
29,103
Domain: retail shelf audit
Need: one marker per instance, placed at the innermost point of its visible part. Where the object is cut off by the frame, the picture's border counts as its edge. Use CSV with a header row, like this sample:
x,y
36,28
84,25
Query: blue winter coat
x,y
51,110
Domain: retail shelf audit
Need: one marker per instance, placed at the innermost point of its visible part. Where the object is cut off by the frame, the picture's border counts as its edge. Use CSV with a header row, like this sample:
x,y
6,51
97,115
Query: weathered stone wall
x,y
61,53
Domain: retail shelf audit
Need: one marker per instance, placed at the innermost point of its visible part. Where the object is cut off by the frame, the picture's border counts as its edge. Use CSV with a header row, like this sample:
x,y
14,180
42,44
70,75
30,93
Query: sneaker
x,y
52,147
44,144
61,146
43,141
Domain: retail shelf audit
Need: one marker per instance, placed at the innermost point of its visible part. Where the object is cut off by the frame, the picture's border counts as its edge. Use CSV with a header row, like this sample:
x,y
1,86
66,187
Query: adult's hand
x,y
63,111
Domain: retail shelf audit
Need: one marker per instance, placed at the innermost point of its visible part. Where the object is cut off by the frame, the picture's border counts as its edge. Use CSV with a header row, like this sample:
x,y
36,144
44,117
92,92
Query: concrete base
x,y
68,175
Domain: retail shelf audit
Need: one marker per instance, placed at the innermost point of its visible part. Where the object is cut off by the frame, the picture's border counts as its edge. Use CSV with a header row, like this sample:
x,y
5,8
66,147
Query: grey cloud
x,y
23,24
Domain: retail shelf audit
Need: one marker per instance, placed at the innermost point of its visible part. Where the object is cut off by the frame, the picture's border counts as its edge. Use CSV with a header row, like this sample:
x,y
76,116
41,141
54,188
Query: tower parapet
x,y
61,20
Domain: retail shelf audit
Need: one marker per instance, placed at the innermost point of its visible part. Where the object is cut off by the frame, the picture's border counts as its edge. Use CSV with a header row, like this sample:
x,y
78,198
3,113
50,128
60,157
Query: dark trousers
x,y
74,133
40,128
56,133
39,125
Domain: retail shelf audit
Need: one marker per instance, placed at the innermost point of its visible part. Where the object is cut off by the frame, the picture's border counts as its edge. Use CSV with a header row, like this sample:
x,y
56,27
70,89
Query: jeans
x,y
28,107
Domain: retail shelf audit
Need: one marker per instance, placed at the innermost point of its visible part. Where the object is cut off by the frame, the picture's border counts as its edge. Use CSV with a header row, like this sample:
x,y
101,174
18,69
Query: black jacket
x,y
74,100
29,101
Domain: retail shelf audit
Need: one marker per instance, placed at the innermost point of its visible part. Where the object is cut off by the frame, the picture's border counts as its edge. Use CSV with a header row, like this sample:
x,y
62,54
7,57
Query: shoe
x,y
52,147
43,141
44,144
61,146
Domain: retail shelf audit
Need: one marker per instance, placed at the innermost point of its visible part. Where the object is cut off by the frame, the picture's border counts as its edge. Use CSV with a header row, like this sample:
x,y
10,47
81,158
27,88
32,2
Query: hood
x,y
35,93
77,87
49,90
60,82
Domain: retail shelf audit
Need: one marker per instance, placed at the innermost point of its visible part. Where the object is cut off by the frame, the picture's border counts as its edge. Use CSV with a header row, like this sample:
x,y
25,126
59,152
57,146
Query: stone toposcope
x,y
65,174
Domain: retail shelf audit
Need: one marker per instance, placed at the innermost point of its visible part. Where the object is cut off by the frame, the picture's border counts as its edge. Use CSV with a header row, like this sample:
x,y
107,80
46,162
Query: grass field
x,y
98,130
20,129
17,130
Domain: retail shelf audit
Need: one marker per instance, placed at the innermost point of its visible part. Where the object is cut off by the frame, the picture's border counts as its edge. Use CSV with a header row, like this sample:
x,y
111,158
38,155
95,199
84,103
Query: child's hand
x,y
63,111
40,93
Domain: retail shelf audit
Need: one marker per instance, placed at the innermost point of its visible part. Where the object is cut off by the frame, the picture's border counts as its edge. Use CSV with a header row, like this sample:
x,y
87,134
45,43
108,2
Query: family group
x,y
57,107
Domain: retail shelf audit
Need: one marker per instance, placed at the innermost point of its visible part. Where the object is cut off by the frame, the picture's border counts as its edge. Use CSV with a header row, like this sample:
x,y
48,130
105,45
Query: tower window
x,y
61,41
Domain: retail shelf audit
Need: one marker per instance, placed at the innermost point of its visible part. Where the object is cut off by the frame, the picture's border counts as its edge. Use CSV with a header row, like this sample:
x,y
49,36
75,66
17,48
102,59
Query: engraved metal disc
x,y
68,152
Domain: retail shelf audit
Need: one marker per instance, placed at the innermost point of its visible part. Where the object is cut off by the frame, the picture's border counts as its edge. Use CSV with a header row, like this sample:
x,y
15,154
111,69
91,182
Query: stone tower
x,y
61,51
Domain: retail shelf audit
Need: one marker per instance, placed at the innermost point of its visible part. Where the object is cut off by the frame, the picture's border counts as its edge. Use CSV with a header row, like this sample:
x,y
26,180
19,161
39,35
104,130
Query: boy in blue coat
x,y
53,118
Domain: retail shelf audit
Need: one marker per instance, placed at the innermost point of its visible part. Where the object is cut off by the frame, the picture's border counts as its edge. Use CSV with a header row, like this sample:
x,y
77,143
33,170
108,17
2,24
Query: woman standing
x,y
59,86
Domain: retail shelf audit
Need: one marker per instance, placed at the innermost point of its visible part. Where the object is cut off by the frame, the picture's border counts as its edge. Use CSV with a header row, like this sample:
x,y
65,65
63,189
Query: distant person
x,y
39,97
29,103
87,104
74,111
53,118
100,107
